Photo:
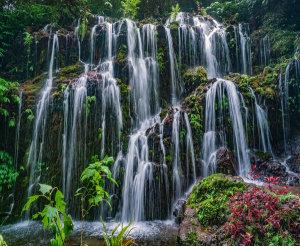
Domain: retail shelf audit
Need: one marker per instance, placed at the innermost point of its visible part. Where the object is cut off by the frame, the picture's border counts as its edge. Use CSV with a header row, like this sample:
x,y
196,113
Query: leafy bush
x,y
229,11
259,216
130,8
92,190
7,95
8,174
54,213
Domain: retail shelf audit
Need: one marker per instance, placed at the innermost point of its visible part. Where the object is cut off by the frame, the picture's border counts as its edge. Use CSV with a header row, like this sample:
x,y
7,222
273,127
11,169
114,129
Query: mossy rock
x,y
70,72
209,198
194,77
264,156
32,87
174,25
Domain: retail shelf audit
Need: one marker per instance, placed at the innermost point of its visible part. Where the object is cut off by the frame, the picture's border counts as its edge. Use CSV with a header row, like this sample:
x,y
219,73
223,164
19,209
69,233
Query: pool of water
x,y
145,233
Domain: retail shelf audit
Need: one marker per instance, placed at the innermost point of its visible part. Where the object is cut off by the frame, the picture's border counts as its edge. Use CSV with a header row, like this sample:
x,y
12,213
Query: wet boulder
x,y
271,168
179,211
225,162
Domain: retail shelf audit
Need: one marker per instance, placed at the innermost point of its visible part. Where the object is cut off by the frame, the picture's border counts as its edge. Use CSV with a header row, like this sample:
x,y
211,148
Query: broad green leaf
x,y
44,189
60,203
87,174
68,224
31,199
51,212
45,221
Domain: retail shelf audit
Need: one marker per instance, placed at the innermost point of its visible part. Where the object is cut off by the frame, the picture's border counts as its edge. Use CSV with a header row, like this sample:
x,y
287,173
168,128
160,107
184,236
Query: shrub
x,y
263,217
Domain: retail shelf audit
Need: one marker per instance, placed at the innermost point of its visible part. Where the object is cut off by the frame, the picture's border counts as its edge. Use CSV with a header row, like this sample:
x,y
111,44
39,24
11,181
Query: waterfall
x,y
264,50
211,142
75,131
100,20
177,171
198,38
138,176
243,52
284,97
37,144
189,149
110,95
262,125
75,110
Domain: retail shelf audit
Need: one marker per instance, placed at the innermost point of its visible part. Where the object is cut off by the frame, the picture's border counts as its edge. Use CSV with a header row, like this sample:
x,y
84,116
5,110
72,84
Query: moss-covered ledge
x,y
206,209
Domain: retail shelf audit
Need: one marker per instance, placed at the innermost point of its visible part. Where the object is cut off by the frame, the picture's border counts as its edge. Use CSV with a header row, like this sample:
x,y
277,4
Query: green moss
x,y
209,197
194,77
164,113
70,72
168,158
124,89
191,239
122,53
33,86
194,108
174,25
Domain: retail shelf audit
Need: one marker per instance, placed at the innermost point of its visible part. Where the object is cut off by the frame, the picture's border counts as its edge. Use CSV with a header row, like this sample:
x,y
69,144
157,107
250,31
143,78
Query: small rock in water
x,y
179,211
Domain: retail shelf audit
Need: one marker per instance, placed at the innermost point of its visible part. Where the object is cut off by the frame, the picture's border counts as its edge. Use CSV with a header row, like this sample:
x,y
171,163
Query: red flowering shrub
x,y
260,216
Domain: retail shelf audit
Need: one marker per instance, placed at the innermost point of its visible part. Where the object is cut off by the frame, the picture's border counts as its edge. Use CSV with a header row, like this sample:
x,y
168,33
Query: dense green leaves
x,y
92,190
8,96
52,213
8,174
130,8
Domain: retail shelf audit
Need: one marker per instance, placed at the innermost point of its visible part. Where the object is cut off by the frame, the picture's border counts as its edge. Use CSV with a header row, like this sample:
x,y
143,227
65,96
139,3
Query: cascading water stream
x,y
75,123
75,112
262,125
36,147
173,68
264,50
110,94
143,82
177,170
210,138
284,97
243,51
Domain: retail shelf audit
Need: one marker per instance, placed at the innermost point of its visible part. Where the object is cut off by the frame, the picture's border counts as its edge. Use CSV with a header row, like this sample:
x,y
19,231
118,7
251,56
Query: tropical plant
x,y
121,239
130,8
54,215
7,95
30,115
28,40
92,190
89,100
174,12
8,174
2,242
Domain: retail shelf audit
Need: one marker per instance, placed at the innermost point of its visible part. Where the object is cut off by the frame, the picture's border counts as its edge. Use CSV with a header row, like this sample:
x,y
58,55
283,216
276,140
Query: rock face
x,y
267,167
225,162
179,211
